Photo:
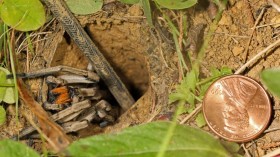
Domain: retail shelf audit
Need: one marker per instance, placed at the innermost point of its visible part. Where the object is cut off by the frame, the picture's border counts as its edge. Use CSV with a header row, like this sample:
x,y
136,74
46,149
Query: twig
x,y
253,31
195,111
257,57
247,154
270,24
270,130
29,119
160,47
231,35
154,115
273,153
274,5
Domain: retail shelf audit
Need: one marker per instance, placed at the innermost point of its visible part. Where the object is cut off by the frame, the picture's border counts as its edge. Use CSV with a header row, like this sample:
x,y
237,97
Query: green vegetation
x,y
271,77
157,138
11,148
143,140
23,15
6,87
84,7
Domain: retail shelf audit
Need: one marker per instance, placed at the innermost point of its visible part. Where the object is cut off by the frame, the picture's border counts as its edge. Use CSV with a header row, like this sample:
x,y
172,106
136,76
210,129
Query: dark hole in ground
x,y
127,61
125,55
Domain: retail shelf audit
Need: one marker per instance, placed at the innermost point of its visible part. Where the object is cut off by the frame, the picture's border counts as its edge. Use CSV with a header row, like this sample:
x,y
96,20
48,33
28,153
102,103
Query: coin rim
x,y
254,135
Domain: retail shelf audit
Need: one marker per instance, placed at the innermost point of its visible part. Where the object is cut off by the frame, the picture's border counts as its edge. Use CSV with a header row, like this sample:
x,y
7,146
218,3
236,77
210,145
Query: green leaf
x,y
2,115
11,148
147,11
200,121
7,94
176,4
232,147
23,15
271,77
215,74
184,91
225,71
130,1
2,81
145,141
203,89
2,31
191,80
84,7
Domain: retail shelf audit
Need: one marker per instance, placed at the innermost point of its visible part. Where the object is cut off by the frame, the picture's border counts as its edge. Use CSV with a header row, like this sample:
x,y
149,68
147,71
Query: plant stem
x,y
6,85
257,57
13,71
170,131
205,44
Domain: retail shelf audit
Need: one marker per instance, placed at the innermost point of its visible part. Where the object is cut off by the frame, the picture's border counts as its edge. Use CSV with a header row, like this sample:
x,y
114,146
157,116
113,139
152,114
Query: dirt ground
x,y
146,61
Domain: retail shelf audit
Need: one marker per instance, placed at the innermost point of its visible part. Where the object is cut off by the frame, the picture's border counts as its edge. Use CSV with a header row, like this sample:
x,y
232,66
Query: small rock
x,y
237,50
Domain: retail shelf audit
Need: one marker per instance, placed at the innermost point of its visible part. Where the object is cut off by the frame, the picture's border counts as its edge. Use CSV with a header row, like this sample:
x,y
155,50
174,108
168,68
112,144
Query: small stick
x,y
257,57
253,31
57,69
274,5
270,24
271,130
195,111
273,153
231,35
246,150
39,130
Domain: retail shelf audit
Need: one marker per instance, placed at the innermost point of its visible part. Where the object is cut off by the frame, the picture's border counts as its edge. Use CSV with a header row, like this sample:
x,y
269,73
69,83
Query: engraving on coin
x,y
236,108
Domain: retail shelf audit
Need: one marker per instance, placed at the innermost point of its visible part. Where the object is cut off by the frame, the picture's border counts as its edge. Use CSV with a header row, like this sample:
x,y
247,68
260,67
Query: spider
x,y
74,99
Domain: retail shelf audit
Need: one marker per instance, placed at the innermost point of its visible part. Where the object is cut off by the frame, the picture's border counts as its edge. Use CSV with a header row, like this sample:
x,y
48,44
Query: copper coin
x,y
237,108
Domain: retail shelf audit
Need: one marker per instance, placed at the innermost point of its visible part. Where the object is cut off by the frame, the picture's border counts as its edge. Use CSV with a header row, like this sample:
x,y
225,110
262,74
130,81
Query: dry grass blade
x,y
194,112
274,5
57,137
253,31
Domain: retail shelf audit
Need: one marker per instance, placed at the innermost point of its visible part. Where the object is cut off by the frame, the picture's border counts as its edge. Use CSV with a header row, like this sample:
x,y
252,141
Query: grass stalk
x,y
170,131
205,44
11,54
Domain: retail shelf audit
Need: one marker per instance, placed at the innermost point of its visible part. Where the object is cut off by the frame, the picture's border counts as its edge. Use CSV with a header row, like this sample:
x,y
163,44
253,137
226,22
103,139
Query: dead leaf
x,y
58,138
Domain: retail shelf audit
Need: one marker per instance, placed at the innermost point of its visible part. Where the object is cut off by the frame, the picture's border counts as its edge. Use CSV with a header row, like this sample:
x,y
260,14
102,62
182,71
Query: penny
x,y
237,108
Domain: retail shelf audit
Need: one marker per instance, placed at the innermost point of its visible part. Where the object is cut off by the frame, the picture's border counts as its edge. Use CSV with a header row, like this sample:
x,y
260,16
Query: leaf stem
x,y
205,44
13,71
170,131
6,85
